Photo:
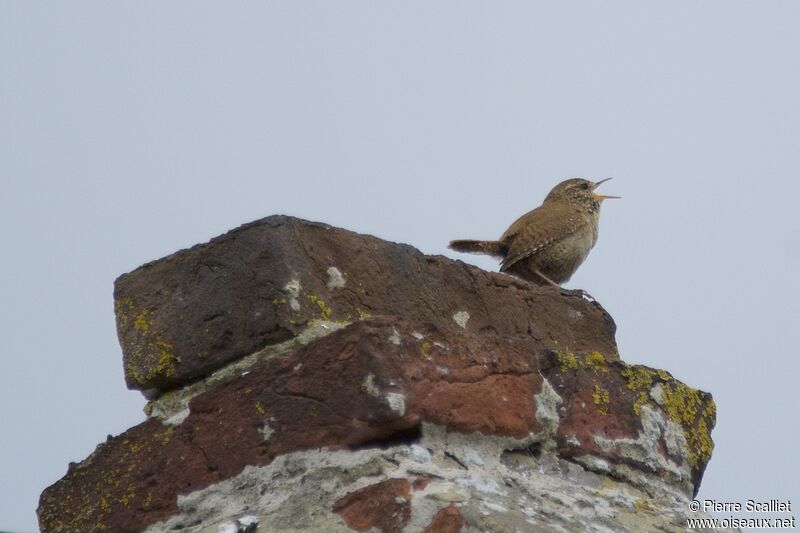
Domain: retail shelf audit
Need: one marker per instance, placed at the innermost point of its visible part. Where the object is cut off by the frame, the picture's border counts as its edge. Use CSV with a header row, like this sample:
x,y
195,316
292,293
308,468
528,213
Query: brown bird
x,y
548,244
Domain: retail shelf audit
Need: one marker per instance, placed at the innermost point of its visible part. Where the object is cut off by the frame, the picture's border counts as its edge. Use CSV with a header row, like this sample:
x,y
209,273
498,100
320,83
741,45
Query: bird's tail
x,y
495,248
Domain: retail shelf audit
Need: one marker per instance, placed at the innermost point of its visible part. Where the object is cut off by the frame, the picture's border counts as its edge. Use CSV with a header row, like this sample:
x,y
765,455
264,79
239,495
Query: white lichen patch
x,y
657,394
394,338
461,318
574,315
335,278
675,440
178,418
266,431
417,335
368,385
292,290
396,402
547,402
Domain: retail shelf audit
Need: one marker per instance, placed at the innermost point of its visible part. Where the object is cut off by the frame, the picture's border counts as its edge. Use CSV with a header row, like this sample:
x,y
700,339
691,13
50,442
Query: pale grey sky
x,y
130,130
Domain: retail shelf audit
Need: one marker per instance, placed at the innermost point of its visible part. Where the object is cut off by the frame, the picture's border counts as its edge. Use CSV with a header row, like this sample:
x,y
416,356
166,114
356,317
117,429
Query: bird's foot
x,y
579,293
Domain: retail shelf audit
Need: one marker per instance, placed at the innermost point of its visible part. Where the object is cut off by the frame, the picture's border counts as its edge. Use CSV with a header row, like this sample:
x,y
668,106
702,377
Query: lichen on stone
x,y
122,308
132,373
685,406
567,360
425,349
690,408
166,435
142,321
601,399
129,494
597,361
325,312
639,380
165,361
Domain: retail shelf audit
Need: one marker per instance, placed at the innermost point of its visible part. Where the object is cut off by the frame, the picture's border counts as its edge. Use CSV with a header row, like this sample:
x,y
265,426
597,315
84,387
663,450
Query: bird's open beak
x,y
601,197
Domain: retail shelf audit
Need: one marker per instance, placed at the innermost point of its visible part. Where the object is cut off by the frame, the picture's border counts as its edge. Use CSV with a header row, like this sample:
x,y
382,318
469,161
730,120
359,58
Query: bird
x,y
548,244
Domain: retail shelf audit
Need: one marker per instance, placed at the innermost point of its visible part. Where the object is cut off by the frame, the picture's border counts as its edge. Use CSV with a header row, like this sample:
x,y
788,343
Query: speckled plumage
x,y
549,243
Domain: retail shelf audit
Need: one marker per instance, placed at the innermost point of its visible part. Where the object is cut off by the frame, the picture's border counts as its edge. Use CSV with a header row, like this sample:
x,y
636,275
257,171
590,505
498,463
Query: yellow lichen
x,y
129,495
133,373
166,435
567,360
601,399
638,377
165,364
594,360
688,407
597,361
641,399
122,308
425,349
684,405
325,312
151,346
112,479
142,321
644,506
639,380
260,408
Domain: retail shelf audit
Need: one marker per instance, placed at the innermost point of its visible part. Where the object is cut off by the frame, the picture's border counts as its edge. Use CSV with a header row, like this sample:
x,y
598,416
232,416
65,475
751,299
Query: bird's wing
x,y
536,230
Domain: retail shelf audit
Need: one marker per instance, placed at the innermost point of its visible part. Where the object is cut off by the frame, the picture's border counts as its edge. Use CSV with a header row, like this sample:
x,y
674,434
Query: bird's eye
x,y
585,186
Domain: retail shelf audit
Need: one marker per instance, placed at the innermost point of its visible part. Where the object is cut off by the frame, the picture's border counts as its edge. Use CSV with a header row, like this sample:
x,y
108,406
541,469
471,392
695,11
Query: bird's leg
x,y
567,292
548,280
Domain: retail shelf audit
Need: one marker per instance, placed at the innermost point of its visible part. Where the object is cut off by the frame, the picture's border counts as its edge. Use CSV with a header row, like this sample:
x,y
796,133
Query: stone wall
x,y
307,378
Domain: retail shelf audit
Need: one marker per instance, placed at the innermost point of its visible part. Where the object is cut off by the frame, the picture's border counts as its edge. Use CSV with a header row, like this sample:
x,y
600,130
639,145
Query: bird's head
x,y
578,191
